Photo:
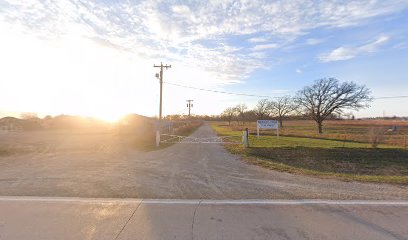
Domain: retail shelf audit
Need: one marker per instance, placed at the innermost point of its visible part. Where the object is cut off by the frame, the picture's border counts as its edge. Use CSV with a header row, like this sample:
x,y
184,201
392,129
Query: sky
x,y
96,58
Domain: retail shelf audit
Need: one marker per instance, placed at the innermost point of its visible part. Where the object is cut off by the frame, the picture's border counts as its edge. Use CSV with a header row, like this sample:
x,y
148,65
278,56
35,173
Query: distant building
x,y
10,124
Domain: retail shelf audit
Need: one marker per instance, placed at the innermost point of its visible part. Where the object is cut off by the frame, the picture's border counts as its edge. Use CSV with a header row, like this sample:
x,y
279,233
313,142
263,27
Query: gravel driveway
x,y
182,171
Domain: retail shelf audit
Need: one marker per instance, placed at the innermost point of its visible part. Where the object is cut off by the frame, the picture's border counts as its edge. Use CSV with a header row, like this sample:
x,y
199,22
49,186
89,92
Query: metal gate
x,y
168,138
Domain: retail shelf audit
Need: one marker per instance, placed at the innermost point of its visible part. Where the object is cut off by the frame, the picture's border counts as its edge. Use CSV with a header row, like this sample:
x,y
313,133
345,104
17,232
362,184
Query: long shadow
x,y
365,161
314,137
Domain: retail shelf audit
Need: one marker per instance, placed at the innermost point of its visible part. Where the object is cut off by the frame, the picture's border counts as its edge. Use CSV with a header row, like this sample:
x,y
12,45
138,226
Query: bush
x,y
187,128
376,136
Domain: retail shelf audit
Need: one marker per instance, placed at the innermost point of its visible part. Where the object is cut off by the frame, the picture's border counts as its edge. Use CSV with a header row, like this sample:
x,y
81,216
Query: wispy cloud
x,y
345,53
175,31
258,40
265,46
314,41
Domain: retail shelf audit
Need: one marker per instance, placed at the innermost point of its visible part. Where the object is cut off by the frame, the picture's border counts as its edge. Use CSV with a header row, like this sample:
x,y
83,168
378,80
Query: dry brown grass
x,y
344,130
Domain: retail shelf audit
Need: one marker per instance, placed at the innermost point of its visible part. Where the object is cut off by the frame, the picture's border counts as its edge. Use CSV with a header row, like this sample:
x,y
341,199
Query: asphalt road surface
x,y
65,218
182,171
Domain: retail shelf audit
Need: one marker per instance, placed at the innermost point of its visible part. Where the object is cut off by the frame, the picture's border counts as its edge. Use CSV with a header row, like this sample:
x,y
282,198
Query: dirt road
x,y
182,171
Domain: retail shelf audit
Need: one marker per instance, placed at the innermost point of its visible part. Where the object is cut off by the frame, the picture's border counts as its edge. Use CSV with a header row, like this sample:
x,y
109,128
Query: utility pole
x,y
189,105
160,76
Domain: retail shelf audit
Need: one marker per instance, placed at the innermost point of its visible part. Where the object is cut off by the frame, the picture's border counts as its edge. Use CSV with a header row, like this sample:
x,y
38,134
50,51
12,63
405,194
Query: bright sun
x,y
78,76
74,76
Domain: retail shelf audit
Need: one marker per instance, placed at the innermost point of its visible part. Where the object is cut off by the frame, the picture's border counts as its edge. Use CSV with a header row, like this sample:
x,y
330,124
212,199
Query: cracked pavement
x,y
75,218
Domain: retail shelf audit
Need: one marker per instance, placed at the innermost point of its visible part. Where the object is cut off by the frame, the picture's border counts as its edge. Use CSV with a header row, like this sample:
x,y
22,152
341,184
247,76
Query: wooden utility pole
x,y
160,76
189,105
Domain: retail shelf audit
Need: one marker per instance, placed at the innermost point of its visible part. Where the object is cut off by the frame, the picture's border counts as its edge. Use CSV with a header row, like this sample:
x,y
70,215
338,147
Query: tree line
x,y
319,101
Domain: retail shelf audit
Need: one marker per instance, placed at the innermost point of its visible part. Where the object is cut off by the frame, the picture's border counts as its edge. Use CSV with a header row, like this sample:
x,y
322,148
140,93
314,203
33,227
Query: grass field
x,y
344,130
300,150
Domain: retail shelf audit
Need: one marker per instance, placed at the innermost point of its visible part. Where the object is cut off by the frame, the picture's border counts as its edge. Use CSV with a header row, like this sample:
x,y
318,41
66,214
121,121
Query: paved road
x,y
44,218
182,171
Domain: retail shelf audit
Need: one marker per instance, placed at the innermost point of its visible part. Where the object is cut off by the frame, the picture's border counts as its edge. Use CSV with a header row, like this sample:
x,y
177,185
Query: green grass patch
x,y
350,161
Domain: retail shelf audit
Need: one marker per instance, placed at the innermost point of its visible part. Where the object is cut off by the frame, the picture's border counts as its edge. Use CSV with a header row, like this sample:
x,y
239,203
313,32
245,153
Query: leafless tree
x,y
262,108
240,109
229,113
28,115
282,107
327,96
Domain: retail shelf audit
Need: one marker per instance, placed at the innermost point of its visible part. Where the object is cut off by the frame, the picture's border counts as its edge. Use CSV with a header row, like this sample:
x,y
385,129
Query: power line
x,y
255,95
216,91
390,97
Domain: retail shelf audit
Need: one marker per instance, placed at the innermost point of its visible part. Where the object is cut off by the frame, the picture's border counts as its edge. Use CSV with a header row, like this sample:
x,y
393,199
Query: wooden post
x,y
245,138
157,138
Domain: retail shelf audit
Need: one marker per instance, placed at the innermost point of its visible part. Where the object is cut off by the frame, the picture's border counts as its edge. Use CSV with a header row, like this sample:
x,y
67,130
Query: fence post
x,y
157,138
257,130
245,136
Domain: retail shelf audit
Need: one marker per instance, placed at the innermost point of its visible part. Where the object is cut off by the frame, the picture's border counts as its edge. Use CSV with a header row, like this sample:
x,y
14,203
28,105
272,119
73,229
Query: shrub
x,y
376,136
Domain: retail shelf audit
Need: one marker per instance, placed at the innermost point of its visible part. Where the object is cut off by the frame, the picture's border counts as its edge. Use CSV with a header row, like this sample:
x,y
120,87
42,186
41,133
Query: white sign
x,y
267,124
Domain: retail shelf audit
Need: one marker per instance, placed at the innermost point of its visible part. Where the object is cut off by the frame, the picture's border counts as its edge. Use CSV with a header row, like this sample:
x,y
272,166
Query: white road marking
x,y
204,201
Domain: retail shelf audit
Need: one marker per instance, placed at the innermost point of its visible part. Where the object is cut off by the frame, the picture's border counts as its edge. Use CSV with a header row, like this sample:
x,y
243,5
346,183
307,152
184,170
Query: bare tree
x,y
262,108
229,113
282,107
327,96
240,109
28,115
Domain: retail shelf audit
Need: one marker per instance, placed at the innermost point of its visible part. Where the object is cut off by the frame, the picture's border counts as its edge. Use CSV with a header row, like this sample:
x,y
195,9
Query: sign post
x,y
267,124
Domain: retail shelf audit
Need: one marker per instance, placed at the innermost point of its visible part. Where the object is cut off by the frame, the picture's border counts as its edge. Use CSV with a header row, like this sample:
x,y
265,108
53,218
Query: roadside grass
x,y
345,160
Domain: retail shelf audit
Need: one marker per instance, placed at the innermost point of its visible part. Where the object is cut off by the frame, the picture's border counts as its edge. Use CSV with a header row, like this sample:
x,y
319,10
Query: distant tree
x,y
229,113
349,115
251,115
28,115
240,109
327,96
282,107
173,117
262,109
47,118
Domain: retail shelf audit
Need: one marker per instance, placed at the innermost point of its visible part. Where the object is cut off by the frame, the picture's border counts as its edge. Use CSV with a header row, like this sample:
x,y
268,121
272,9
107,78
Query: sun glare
x,y
107,116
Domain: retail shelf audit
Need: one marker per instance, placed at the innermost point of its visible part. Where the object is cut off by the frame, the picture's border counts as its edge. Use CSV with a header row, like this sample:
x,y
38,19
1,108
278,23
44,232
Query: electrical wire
x,y
255,95
216,91
390,97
